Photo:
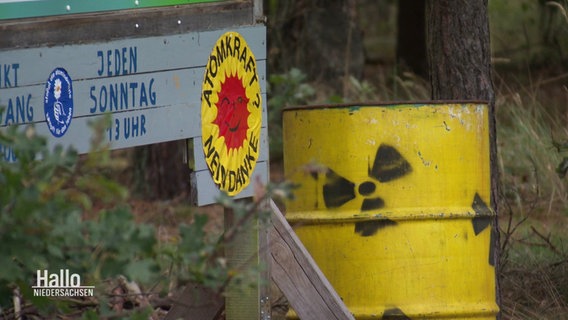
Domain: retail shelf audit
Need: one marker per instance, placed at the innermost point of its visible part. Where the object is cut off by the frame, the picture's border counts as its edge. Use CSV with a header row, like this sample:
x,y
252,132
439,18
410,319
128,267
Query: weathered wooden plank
x,y
117,94
17,9
152,86
258,11
163,94
107,26
128,56
133,128
298,276
98,96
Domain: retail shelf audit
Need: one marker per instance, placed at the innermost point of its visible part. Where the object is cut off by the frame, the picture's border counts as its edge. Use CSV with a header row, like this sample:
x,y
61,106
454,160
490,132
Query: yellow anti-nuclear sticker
x,y
231,113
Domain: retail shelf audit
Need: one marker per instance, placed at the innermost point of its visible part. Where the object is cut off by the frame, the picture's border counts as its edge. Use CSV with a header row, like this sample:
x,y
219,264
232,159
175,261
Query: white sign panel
x,y
151,87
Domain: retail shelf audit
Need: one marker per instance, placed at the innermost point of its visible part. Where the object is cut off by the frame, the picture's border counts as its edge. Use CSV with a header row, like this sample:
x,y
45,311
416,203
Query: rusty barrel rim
x,y
389,104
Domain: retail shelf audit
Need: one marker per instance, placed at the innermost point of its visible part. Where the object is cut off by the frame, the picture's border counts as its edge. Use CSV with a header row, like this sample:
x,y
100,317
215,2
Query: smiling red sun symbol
x,y
232,112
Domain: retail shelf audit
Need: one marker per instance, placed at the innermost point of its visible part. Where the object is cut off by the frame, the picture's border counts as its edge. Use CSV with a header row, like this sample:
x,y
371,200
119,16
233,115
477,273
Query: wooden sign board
x,y
145,67
150,86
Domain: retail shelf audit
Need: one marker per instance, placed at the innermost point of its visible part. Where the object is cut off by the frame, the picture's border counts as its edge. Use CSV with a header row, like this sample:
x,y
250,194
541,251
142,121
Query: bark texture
x,y
160,170
320,37
459,58
458,50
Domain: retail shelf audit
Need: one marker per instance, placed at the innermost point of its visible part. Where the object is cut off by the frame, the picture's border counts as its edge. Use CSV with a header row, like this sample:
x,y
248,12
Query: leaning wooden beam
x,y
298,276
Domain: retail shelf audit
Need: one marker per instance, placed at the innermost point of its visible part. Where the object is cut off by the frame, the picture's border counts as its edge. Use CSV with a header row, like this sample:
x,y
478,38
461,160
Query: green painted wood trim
x,y
17,9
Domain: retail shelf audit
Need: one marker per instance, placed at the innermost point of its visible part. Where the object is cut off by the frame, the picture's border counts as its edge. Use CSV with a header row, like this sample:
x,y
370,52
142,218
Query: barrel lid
x,y
385,104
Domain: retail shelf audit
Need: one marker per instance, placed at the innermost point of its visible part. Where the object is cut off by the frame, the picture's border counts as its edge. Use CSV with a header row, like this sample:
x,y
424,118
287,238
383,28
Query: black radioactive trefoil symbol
x,y
388,165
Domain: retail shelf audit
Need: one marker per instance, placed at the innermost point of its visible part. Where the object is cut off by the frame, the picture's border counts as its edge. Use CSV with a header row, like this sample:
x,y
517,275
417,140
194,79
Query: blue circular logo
x,y
58,102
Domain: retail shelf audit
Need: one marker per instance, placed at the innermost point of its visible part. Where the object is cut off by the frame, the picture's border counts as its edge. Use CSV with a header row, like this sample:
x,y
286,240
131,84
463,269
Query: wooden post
x,y
246,254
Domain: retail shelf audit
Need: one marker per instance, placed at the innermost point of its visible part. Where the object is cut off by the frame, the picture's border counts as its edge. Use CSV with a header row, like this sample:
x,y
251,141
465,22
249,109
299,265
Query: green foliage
x,y
194,255
44,197
528,31
533,204
285,90
60,210
526,151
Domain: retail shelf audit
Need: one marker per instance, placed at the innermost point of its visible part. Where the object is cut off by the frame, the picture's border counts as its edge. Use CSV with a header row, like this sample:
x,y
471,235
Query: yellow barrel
x,y
393,205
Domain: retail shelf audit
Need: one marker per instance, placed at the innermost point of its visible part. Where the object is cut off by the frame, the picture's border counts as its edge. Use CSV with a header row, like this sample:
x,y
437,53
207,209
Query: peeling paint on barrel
x,y
399,222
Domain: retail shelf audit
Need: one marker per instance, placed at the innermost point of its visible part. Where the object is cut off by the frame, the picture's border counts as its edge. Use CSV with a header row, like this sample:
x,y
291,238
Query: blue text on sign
x,y
118,62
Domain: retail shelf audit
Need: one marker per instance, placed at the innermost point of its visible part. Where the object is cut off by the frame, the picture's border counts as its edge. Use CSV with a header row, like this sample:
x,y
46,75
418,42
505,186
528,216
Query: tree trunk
x,y
160,170
411,37
459,57
320,37
458,50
